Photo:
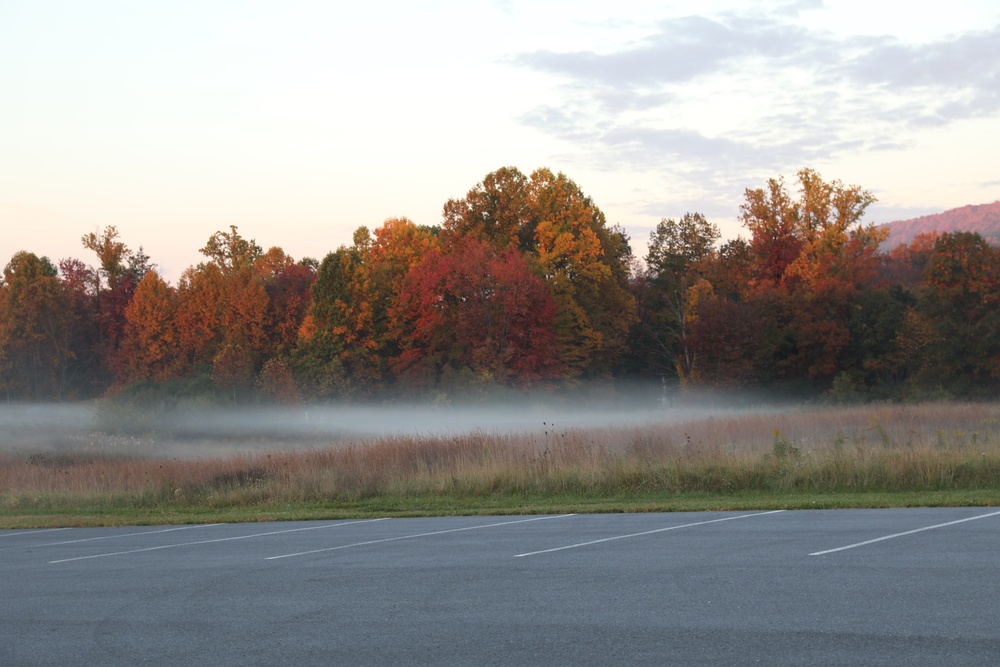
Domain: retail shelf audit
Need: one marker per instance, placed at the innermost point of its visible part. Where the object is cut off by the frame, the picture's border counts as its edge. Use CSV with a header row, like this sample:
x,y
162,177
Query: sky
x,y
300,121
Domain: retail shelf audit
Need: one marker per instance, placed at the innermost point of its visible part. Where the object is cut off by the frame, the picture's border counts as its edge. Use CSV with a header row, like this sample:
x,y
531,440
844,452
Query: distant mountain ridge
x,y
981,218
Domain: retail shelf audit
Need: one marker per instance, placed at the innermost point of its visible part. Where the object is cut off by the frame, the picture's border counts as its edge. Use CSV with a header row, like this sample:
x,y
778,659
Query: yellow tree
x,y
586,266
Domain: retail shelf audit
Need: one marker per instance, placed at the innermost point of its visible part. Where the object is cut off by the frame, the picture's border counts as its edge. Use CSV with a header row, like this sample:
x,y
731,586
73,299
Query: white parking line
x,y
908,532
111,537
221,539
17,532
410,537
646,532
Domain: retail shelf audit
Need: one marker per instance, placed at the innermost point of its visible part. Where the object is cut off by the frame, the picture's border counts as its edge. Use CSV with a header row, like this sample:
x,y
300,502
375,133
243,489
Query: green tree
x,y
675,287
676,245
337,347
230,251
960,300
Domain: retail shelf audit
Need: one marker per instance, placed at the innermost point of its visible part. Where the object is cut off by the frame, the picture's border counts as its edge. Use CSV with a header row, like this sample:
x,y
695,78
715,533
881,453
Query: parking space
x,y
797,533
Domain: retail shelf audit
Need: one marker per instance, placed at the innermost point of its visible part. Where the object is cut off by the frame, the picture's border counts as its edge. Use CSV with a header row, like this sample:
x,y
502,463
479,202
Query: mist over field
x,y
109,429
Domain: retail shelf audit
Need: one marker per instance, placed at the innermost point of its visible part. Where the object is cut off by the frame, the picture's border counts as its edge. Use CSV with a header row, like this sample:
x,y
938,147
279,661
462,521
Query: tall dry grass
x,y
876,448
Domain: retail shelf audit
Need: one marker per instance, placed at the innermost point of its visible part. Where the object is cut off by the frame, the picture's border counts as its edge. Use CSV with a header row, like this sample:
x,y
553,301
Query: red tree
x,y
475,309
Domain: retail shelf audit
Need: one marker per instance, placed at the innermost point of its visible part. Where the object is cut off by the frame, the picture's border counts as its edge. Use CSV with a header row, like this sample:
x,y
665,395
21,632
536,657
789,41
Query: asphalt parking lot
x,y
837,587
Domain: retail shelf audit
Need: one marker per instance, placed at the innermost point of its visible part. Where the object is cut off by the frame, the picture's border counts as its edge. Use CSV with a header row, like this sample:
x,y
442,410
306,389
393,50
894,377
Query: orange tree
x,y
817,256
34,329
222,313
150,342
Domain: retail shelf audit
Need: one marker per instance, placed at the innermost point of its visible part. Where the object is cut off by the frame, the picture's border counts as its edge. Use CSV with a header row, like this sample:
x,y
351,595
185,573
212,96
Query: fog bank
x,y
198,431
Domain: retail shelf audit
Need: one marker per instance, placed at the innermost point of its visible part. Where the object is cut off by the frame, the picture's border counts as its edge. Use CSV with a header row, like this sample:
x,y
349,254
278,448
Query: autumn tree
x,y
345,341
773,219
395,247
796,240
729,269
730,338
337,346
287,284
200,294
150,344
473,314
34,329
277,382
222,312
499,209
112,255
904,265
566,238
816,250
242,320
116,279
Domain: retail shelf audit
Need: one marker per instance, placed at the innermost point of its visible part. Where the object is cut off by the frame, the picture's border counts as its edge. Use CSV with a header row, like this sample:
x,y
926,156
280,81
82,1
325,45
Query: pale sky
x,y
300,121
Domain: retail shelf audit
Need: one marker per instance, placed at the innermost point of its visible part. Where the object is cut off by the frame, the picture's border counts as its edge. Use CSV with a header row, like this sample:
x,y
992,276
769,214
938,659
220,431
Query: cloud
x,y
681,50
794,9
963,60
718,98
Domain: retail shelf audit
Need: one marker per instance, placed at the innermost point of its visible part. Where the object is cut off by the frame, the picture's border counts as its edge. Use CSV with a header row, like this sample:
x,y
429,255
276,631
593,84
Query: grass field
x,y
863,456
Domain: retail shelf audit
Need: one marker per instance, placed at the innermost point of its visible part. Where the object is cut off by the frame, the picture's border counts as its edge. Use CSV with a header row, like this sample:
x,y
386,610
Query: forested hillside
x,y
983,219
522,286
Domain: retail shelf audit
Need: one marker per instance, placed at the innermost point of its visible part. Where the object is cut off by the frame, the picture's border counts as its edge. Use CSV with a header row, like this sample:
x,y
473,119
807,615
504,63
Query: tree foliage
x,y
35,329
151,332
525,285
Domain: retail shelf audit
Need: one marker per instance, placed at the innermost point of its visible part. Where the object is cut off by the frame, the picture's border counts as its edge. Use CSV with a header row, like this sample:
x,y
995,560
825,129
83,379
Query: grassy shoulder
x,y
69,515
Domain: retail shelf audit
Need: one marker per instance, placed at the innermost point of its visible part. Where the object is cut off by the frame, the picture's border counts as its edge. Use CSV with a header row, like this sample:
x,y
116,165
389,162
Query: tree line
x,y
523,286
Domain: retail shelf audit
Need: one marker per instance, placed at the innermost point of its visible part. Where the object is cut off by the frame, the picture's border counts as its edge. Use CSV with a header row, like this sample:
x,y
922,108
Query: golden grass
x,y
888,448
